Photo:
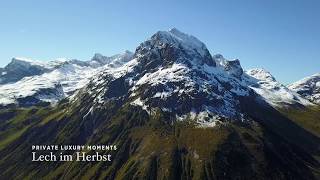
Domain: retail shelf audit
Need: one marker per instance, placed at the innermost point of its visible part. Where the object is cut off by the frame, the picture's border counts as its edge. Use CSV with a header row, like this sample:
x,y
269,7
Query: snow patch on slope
x,y
29,86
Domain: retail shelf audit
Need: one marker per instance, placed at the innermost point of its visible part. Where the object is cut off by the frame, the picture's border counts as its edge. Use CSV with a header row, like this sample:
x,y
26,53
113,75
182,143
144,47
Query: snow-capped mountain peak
x,y
26,61
308,87
100,58
275,93
120,59
19,68
188,41
261,74
18,62
21,61
175,46
112,61
169,73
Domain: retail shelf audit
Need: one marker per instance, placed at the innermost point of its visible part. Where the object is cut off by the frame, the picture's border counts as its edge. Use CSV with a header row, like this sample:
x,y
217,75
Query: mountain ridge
x,y
58,80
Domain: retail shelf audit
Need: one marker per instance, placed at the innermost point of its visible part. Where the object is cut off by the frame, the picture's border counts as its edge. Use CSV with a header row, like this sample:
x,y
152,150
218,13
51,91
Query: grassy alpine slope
x,y
307,117
271,146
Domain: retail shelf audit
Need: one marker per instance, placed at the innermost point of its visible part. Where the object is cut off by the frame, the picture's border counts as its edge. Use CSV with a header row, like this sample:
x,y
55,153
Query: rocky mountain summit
x,y
175,72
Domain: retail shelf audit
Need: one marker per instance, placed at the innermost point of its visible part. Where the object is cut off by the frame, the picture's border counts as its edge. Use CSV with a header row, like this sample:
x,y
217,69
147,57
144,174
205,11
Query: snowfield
x,y
276,94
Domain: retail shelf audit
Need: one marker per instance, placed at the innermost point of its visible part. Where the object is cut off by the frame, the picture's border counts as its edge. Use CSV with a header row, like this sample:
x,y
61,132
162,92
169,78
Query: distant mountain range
x,y
175,111
24,82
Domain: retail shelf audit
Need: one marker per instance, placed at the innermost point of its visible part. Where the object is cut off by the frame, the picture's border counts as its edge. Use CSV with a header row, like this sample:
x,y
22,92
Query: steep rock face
x,y
174,45
308,87
232,67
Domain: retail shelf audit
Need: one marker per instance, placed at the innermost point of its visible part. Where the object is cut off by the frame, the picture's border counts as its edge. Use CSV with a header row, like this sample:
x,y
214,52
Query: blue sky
x,y
280,36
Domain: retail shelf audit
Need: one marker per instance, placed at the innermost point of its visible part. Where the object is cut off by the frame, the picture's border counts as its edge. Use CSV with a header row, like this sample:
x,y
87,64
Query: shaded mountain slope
x,y
266,148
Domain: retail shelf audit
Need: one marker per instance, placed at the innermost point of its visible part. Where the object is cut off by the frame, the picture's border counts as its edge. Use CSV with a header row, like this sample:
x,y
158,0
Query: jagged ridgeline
x,y
174,111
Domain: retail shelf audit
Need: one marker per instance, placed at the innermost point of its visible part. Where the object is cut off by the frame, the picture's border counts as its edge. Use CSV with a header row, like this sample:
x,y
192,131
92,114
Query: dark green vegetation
x,y
308,118
272,145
